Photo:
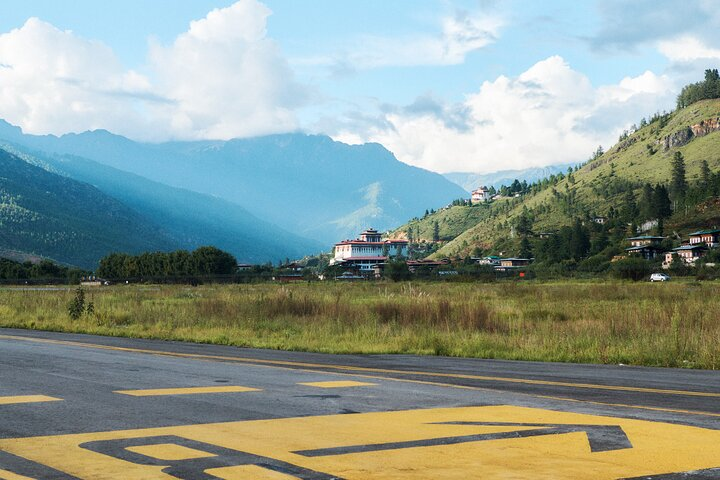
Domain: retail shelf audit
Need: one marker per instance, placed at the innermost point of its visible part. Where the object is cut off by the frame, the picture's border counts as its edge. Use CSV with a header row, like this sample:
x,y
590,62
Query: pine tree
x,y
662,203
660,229
647,203
600,242
579,241
629,211
524,222
705,177
678,182
436,231
525,248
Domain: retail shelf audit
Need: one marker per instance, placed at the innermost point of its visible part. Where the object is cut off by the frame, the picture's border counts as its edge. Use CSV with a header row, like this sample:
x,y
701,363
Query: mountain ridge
x,y
47,215
308,184
470,181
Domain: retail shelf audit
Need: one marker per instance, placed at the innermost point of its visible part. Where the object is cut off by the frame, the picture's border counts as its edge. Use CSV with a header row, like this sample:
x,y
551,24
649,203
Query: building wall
x,y
369,250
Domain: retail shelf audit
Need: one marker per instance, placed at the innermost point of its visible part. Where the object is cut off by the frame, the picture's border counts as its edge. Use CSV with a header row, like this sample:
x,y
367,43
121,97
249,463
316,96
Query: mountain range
x,y
261,199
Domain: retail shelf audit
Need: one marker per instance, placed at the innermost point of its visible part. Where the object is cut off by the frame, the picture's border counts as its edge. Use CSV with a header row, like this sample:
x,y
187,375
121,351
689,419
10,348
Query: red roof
x,y
363,242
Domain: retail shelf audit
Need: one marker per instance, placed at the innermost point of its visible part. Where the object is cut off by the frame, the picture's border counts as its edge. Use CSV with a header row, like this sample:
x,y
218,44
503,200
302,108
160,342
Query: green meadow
x,y
676,324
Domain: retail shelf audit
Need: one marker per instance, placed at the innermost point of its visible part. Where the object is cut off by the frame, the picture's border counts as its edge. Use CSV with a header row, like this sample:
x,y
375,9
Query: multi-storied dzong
x,y
368,251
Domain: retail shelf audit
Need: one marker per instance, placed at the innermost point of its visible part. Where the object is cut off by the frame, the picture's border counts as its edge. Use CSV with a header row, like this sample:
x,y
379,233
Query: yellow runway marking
x,y
169,451
212,358
5,475
350,368
186,391
246,472
337,384
27,399
492,442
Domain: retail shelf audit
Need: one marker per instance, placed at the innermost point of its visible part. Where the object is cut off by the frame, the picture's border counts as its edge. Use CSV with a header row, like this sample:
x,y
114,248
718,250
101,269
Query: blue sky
x,y
446,85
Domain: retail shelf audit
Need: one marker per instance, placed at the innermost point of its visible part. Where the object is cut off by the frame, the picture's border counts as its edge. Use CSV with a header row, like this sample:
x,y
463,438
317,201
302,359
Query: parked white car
x,y
659,277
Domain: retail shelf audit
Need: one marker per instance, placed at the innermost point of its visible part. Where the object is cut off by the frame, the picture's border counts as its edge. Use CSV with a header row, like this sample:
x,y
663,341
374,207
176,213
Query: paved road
x,y
88,407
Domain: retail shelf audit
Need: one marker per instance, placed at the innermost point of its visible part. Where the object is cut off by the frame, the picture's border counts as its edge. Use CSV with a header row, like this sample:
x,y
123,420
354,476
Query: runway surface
x,y
89,407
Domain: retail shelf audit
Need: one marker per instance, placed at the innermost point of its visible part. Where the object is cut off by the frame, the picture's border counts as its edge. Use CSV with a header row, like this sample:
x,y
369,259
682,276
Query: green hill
x,y
598,188
45,214
191,219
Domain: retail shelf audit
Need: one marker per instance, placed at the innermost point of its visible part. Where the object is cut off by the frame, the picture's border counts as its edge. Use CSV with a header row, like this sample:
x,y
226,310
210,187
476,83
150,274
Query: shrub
x,y
631,269
76,307
397,271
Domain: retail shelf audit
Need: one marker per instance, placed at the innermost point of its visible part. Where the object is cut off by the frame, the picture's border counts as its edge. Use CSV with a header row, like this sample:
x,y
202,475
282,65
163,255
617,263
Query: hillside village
x,y
658,184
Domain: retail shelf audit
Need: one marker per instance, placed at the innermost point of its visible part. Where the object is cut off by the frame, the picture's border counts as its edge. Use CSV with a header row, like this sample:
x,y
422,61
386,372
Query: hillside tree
x,y
629,210
661,202
678,180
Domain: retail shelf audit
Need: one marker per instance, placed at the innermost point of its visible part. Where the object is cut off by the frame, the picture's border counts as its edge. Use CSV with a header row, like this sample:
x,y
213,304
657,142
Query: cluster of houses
x,y
369,254
649,247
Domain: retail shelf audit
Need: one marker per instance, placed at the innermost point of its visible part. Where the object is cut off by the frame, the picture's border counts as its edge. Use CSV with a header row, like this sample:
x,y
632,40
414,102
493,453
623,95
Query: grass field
x,y
675,324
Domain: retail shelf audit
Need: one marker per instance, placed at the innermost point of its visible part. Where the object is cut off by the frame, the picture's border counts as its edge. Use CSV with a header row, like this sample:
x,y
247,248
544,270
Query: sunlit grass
x,y
674,324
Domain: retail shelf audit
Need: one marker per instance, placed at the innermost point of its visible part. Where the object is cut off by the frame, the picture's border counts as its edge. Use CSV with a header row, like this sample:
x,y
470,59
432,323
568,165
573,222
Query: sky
x,y
447,85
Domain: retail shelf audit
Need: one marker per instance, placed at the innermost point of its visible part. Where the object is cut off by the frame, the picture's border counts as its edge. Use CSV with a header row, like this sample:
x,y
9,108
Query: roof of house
x,y
646,237
689,247
704,232
514,259
363,242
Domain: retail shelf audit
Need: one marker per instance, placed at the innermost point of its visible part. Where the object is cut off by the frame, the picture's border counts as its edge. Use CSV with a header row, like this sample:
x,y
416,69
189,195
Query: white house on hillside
x,y
480,195
367,251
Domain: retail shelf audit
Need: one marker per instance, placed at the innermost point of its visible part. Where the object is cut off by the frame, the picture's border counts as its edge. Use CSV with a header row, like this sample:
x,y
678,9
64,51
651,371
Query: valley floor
x,y
673,324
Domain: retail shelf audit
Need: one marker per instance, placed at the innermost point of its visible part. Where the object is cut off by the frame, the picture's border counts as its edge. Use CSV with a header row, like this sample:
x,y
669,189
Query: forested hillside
x,y
191,219
52,216
662,177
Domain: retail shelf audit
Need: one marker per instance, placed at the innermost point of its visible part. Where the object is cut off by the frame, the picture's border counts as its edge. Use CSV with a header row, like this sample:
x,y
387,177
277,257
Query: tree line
x,y
708,88
181,263
45,270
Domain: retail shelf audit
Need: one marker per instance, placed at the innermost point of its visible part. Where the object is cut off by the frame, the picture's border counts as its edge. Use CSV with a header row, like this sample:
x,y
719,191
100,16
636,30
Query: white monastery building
x,y
480,195
367,251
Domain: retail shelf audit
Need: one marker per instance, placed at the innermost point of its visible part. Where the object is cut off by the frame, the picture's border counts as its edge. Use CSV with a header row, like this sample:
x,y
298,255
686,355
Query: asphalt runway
x,y
89,407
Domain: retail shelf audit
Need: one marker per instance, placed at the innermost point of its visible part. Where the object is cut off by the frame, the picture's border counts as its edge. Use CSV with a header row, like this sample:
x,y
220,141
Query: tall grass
x,y
675,324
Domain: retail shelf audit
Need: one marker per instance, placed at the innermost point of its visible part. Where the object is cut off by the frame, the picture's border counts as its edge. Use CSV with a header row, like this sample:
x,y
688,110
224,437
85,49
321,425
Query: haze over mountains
x,y
471,181
57,217
262,198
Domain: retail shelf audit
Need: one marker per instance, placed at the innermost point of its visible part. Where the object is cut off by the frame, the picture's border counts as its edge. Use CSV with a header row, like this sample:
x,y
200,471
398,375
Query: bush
x,y
631,269
595,264
77,305
397,270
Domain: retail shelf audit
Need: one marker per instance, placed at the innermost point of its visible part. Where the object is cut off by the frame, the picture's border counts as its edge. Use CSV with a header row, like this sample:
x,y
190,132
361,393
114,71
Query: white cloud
x,y
226,78
53,81
222,78
459,35
547,115
687,48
